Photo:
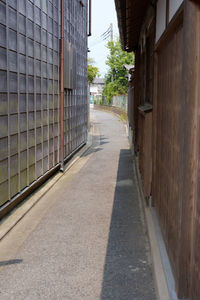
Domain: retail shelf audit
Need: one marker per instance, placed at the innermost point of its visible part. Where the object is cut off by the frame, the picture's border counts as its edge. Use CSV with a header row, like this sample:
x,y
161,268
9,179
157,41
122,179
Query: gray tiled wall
x,y
29,89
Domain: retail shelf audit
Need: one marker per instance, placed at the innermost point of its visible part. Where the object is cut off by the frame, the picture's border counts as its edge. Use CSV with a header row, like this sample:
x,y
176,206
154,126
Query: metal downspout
x,y
62,87
90,18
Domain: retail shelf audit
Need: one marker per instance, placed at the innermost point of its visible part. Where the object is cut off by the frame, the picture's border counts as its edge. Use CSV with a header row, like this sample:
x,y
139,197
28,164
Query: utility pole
x,y
111,32
111,39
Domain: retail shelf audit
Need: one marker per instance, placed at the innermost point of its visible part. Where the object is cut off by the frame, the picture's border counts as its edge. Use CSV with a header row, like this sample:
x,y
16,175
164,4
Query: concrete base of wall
x,y
158,270
163,275
164,256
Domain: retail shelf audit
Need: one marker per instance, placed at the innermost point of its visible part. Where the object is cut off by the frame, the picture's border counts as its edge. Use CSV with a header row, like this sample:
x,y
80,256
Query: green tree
x,y
93,71
116,80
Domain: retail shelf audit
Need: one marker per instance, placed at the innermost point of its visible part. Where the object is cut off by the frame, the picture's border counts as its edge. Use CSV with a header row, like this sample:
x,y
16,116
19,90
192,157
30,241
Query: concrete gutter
x,y
161,286
10,220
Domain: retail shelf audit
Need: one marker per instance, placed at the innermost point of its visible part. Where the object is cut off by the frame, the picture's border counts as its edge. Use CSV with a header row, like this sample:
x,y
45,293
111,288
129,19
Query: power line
x,y
107,35
92,46
104,36
106,32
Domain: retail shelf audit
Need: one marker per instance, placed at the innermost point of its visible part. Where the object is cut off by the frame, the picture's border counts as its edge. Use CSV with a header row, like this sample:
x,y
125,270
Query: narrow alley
x,y
90,241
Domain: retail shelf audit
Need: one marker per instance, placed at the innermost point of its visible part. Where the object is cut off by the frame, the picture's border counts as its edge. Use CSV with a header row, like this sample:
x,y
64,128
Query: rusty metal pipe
x,y
62,86
90,18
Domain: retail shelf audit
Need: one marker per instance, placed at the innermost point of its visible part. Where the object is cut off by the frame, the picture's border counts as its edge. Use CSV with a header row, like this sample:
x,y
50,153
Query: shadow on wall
x,y
127,271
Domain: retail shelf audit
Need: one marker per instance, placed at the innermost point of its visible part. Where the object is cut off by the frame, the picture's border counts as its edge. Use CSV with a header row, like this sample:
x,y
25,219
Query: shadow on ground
x,y
10,262
103,140
127,271
96,143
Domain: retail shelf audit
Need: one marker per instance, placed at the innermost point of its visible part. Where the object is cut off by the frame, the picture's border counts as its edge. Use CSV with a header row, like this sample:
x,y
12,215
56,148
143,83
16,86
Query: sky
x,y
103,14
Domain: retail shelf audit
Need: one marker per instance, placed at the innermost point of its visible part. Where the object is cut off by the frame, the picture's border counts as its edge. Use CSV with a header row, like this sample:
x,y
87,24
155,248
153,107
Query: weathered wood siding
x,y
145,97
189,272
130,111
175,132
145,153
168,118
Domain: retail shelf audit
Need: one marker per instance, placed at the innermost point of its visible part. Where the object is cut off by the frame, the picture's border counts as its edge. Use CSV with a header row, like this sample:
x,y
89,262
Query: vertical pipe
x,y
90,18
167,12
62,87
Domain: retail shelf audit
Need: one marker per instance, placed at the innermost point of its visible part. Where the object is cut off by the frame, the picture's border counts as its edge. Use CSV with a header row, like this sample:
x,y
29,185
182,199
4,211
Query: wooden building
x,y
165,36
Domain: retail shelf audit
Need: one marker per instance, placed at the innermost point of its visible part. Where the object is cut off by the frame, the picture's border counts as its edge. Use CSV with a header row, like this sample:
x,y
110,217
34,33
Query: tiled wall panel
x,y
26,82
76,103
29,89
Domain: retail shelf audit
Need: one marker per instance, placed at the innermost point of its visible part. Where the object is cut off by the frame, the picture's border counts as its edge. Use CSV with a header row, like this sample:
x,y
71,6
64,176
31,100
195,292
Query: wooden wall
x,y
143,99
167,162
176,191
189,247
175,134
130,111
145,153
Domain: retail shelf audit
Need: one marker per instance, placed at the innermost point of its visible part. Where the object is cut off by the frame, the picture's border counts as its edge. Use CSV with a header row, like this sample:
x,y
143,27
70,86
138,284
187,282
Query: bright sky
x,y
103,13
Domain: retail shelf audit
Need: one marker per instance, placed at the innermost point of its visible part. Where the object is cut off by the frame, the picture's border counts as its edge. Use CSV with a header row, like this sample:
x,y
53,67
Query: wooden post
x,y
154,129
136,97
189,136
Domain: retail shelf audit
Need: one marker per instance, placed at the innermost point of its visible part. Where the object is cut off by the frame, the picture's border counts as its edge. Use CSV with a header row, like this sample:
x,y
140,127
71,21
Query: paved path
x,y
86,238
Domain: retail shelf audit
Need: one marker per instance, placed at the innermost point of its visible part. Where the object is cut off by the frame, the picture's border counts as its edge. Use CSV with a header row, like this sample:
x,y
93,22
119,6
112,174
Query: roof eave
x,y
130,15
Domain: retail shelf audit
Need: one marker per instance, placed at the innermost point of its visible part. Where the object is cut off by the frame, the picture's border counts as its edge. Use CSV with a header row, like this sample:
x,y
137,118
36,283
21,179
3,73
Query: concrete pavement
x,y
86,238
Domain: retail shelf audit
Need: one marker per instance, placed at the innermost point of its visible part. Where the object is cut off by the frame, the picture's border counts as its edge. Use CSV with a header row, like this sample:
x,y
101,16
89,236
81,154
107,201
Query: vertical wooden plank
x,y
154,131
136,96
195,258
148,154
166,131
188,169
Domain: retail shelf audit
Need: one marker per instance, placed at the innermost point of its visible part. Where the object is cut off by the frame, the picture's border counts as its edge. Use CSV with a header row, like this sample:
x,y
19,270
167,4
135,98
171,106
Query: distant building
x,y
96,89
130,69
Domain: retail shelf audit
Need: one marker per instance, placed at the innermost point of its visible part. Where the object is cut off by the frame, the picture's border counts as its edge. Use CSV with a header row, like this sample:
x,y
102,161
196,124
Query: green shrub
x,y
122,118
101,102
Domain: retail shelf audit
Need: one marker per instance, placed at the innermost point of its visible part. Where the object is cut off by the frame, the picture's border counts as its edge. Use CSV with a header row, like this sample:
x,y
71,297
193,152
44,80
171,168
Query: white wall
x,y
160,18
173,7
94,89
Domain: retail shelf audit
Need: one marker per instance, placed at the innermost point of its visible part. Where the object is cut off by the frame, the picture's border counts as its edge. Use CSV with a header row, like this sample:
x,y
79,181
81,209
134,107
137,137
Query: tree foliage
x,y
93,71
116,80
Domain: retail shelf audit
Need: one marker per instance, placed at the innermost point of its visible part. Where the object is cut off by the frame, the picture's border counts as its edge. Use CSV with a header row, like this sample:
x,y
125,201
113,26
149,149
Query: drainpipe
x,y
90,18
62,87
